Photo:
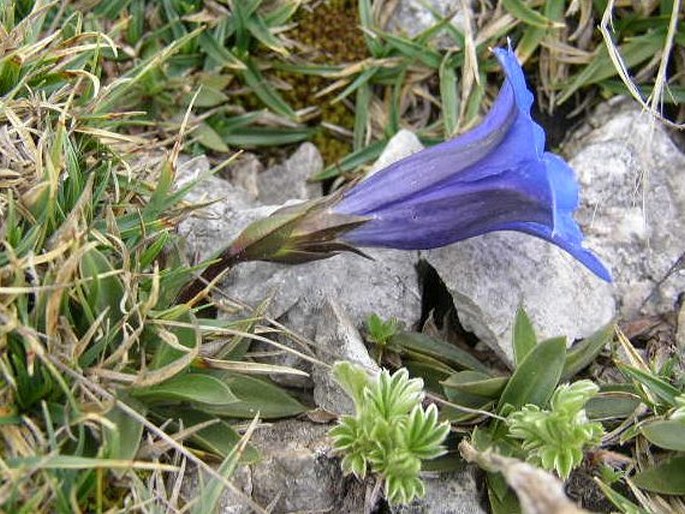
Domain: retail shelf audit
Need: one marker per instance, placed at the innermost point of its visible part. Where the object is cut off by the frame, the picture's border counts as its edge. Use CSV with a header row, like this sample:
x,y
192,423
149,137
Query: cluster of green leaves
x,y
435,81
551,423
555,439
95,353
390,432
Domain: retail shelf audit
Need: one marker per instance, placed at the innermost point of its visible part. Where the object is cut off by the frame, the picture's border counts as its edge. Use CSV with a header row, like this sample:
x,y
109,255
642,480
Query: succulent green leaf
x,y
353,379
667,434
442,350
255,396
666,477
524,335
192,387
581,354
534,380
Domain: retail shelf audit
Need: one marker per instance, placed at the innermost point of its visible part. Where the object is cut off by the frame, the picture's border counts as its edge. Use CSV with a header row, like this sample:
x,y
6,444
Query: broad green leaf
x,y
618,499
211,494
634,51
431,375
612,405
582,354
125,436
476,383
535,379
210,97
197,388
502,499
524,339
533,36
652,382
667,433
255,396
666,477
102,292
102,288
184,333
422,343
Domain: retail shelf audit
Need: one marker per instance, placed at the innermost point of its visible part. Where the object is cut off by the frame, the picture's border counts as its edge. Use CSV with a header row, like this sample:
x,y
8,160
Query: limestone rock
x,y
632,182
491,275
297,473
337,339
411,17
288,181
446,493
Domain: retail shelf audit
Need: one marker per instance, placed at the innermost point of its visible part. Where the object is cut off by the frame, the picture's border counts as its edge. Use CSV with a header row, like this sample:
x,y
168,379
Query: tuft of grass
x,y
96,355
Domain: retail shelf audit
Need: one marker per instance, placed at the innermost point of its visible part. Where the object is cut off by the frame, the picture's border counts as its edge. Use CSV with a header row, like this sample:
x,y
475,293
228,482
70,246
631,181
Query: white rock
x,y
491,275
288,181
447,493
337,339
411,17
401,145
632,179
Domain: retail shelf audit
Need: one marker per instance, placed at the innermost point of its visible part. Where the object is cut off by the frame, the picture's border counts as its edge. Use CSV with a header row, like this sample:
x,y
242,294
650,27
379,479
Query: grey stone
x,y
491,275
446,493
337,339
288,181
411,17
297,472
386,285
244,172
401,145
191,168
680,330
230,502
212,227
632,182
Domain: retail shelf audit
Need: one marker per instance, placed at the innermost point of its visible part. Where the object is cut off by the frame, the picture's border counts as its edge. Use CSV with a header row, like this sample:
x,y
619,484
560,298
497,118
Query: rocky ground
x,y
632,211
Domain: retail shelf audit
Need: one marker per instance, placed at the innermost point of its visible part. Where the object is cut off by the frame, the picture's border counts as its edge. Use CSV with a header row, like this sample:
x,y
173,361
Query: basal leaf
x,y
653,383
534,380
666,477
421,343
524,339
581,354
197,388
667,433
476,383
255,395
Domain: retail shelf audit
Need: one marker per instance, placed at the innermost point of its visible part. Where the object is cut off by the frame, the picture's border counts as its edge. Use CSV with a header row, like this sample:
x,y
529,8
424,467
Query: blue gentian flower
x,y
495,177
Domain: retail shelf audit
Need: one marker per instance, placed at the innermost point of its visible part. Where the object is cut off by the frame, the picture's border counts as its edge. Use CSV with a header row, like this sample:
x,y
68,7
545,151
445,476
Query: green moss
x,y
330,35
